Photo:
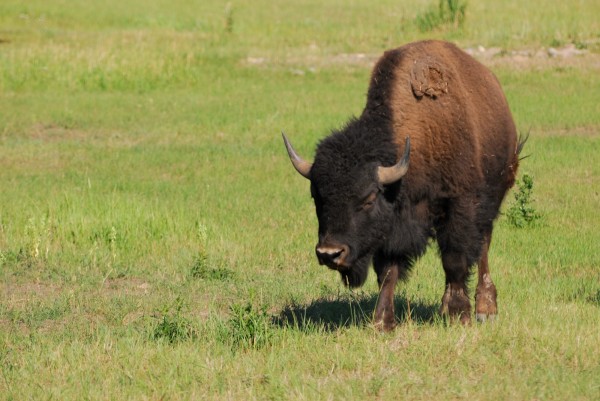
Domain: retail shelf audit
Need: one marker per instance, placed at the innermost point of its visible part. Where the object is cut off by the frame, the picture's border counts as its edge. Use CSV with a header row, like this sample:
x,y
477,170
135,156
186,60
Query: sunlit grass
x,y
156,243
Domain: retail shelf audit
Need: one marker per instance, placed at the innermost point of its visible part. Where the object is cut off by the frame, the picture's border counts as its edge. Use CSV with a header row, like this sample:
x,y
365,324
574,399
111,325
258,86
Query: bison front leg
x,y
455,301
387,277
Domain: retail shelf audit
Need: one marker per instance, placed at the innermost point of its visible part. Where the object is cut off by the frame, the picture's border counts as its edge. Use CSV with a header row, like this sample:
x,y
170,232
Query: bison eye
x,y
369,201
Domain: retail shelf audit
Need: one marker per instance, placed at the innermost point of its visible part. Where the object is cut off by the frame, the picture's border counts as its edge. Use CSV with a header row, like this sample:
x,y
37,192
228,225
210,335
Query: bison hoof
x,y
385,326
486,309
484,317
456,306
463,318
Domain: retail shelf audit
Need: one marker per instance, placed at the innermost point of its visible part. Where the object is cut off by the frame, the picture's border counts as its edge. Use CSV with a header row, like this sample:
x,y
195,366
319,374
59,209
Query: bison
x,y
432,156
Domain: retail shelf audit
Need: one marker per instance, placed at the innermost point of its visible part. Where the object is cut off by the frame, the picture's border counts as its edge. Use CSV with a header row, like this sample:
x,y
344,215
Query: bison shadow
x,y
333,313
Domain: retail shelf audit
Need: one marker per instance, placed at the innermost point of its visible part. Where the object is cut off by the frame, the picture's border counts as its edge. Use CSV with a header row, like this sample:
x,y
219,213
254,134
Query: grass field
x,y
155,242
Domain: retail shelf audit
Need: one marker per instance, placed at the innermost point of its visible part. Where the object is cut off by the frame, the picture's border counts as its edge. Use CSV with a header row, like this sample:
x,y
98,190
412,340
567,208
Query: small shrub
x,y
173,326
229,18
248,328
201,270
201,267
15,258
39,233
448,12
580,45
522,213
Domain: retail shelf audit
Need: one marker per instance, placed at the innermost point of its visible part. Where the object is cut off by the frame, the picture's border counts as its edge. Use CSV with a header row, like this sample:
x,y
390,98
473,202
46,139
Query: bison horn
x,y
389,175
301,165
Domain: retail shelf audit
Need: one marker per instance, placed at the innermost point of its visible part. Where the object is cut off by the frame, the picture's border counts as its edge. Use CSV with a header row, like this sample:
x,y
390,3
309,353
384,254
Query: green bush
x,y
201,269
248,328
173,326
521,213
448,12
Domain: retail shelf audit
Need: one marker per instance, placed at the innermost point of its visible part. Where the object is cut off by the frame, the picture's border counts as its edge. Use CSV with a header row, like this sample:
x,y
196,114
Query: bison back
x,y
453,109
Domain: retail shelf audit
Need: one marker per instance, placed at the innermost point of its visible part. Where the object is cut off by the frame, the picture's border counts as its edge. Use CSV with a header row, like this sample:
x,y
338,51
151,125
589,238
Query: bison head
x,y
354,197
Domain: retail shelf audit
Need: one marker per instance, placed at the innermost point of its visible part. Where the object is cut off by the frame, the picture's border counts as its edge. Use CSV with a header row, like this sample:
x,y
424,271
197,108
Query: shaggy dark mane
x,y
360,141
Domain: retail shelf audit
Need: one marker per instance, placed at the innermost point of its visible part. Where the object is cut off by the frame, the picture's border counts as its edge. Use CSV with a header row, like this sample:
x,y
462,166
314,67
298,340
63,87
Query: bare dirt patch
x,y
566,56
56,133
586,132
18,295
126,286
551,57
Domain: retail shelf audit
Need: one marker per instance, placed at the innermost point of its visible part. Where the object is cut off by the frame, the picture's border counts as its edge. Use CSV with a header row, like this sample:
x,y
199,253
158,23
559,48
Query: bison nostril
x,y
331,255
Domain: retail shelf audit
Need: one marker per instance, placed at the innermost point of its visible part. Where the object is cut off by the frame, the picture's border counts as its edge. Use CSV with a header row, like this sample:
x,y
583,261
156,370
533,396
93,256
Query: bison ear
x,y
301,165
389,175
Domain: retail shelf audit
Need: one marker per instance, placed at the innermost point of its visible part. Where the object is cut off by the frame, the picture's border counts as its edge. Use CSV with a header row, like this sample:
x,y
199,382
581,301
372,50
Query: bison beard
x,y
432,156
357,274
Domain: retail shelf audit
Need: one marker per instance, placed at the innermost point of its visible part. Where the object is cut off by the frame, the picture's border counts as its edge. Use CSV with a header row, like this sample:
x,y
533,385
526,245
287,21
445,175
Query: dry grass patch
x,y
17,295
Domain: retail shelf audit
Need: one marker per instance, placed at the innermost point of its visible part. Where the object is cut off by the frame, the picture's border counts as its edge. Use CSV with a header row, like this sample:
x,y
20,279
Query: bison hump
x,y
428,78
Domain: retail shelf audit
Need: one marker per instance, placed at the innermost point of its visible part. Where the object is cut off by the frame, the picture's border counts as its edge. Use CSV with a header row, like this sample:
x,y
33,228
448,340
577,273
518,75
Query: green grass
x,y
156,243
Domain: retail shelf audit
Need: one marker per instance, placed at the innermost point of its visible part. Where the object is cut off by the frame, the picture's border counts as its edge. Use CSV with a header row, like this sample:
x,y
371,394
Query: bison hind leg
x,y
460,244
486,308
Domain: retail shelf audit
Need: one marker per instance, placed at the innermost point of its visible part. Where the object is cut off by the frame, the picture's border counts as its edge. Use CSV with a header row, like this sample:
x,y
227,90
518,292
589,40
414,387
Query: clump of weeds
x,y
203,267
173,326
447,12
521,212
247,328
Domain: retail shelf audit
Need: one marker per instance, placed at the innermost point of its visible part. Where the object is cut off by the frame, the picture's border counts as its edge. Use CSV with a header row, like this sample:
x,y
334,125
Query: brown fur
x,y
463,139
459,122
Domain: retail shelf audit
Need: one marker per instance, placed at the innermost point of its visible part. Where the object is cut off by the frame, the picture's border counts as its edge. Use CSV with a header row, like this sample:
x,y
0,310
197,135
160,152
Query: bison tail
x,y
521,143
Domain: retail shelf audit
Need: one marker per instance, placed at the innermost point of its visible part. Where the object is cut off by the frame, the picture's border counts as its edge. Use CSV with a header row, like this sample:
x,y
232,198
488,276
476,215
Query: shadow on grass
x,y
333,313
